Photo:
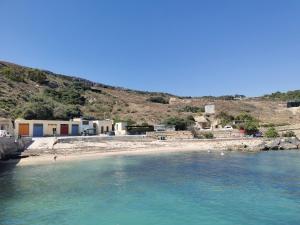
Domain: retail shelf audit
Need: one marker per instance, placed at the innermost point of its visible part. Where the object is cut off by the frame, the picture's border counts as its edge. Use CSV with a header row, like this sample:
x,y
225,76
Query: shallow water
x,y
173,188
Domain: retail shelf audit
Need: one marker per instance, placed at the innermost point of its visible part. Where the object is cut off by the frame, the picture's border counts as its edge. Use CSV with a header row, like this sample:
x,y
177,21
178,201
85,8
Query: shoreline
x,y
49,158
42,151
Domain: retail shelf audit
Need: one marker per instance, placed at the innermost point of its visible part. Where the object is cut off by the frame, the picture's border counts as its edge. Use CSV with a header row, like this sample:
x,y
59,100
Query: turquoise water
x,y
185,188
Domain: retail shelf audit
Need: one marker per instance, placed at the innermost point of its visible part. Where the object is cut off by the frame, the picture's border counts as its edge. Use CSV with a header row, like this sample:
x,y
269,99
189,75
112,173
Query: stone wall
x,y
170,135
283,129
224,133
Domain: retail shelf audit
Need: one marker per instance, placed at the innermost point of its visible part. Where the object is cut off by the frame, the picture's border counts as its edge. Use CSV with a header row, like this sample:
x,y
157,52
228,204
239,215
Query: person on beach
x,y
55,157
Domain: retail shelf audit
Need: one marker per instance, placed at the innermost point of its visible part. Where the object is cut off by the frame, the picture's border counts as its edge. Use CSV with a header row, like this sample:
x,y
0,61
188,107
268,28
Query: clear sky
x,y
185,47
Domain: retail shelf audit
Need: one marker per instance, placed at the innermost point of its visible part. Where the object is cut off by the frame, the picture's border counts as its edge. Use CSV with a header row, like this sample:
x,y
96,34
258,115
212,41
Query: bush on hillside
x,y
66,95
38,111
158,99
208,135
225,118
248,122
12,74
192,109
271,133
37,76
180,123
66,112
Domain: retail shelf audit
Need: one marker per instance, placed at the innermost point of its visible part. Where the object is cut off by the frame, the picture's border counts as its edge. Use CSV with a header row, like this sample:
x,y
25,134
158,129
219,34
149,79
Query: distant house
x,y
208,120
210,109
202,122
40,128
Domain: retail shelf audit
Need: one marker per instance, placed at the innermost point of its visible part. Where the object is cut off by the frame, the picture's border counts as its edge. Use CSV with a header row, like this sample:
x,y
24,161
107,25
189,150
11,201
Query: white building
x,y
103,126
210,109
121,128
85,126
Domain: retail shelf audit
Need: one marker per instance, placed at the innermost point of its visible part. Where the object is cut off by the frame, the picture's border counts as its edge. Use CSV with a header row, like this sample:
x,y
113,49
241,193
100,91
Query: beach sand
x,y
85,150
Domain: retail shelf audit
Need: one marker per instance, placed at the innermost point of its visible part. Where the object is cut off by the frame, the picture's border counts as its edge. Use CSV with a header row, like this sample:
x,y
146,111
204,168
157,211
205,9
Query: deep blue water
x,y
173,188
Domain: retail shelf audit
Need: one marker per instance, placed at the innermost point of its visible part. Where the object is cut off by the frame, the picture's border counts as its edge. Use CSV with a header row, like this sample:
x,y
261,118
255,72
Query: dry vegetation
x,y
20,89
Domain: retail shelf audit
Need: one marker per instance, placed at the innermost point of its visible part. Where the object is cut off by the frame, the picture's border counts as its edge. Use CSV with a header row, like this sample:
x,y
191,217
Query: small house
x,y
121,128
85,126
41,128
103,126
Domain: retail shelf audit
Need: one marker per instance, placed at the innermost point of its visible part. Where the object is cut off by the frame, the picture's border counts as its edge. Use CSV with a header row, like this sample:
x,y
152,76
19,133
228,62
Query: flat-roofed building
x,y
41,128
103,126
121,128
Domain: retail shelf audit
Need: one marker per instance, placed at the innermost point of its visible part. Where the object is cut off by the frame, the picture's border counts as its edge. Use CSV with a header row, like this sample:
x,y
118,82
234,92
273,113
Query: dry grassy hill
x,y
32,93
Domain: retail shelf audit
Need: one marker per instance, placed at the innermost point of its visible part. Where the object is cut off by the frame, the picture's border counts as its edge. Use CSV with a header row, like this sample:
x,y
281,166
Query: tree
x,y
225,118
180,123
248,122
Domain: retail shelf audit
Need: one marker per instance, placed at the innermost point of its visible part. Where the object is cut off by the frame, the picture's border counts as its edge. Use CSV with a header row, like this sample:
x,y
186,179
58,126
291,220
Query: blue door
x,y
38,130
75,129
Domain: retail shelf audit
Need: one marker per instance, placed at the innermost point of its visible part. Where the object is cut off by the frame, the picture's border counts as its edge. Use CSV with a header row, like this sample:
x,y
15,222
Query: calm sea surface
x,y
185,188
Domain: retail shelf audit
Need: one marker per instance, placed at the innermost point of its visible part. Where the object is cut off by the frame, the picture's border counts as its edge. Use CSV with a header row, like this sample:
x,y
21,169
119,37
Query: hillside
x,y
40,94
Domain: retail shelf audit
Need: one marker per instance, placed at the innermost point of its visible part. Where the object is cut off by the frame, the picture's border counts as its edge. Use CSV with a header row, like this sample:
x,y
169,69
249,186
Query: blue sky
x,y
185,47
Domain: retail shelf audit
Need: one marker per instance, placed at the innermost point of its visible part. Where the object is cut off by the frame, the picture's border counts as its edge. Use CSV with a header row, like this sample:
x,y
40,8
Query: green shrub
x,y
69,96
7,104
158,99
225,118
37,76
180,123
208,135
271,133
248,122
192,109
66,112
13,74
38,111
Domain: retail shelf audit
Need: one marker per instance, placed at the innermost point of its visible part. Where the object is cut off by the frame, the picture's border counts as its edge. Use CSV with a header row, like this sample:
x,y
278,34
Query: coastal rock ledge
x,y
292,143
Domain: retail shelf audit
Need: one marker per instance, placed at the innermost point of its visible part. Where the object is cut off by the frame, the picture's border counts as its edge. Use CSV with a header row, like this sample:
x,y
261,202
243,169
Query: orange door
x,y
24,129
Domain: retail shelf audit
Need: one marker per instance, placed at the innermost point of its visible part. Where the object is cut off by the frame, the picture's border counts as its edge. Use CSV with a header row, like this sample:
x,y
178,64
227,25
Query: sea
x,y
198,188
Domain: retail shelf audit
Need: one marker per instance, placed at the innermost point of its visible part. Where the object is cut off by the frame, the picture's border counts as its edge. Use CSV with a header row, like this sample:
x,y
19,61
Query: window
x,y
85,122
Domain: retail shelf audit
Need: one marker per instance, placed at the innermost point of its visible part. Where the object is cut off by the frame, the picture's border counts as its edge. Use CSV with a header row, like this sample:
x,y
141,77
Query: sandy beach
x,y
43,150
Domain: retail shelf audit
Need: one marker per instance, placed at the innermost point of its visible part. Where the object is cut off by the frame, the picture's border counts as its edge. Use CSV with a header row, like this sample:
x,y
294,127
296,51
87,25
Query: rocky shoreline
x,y
80,145
292,143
